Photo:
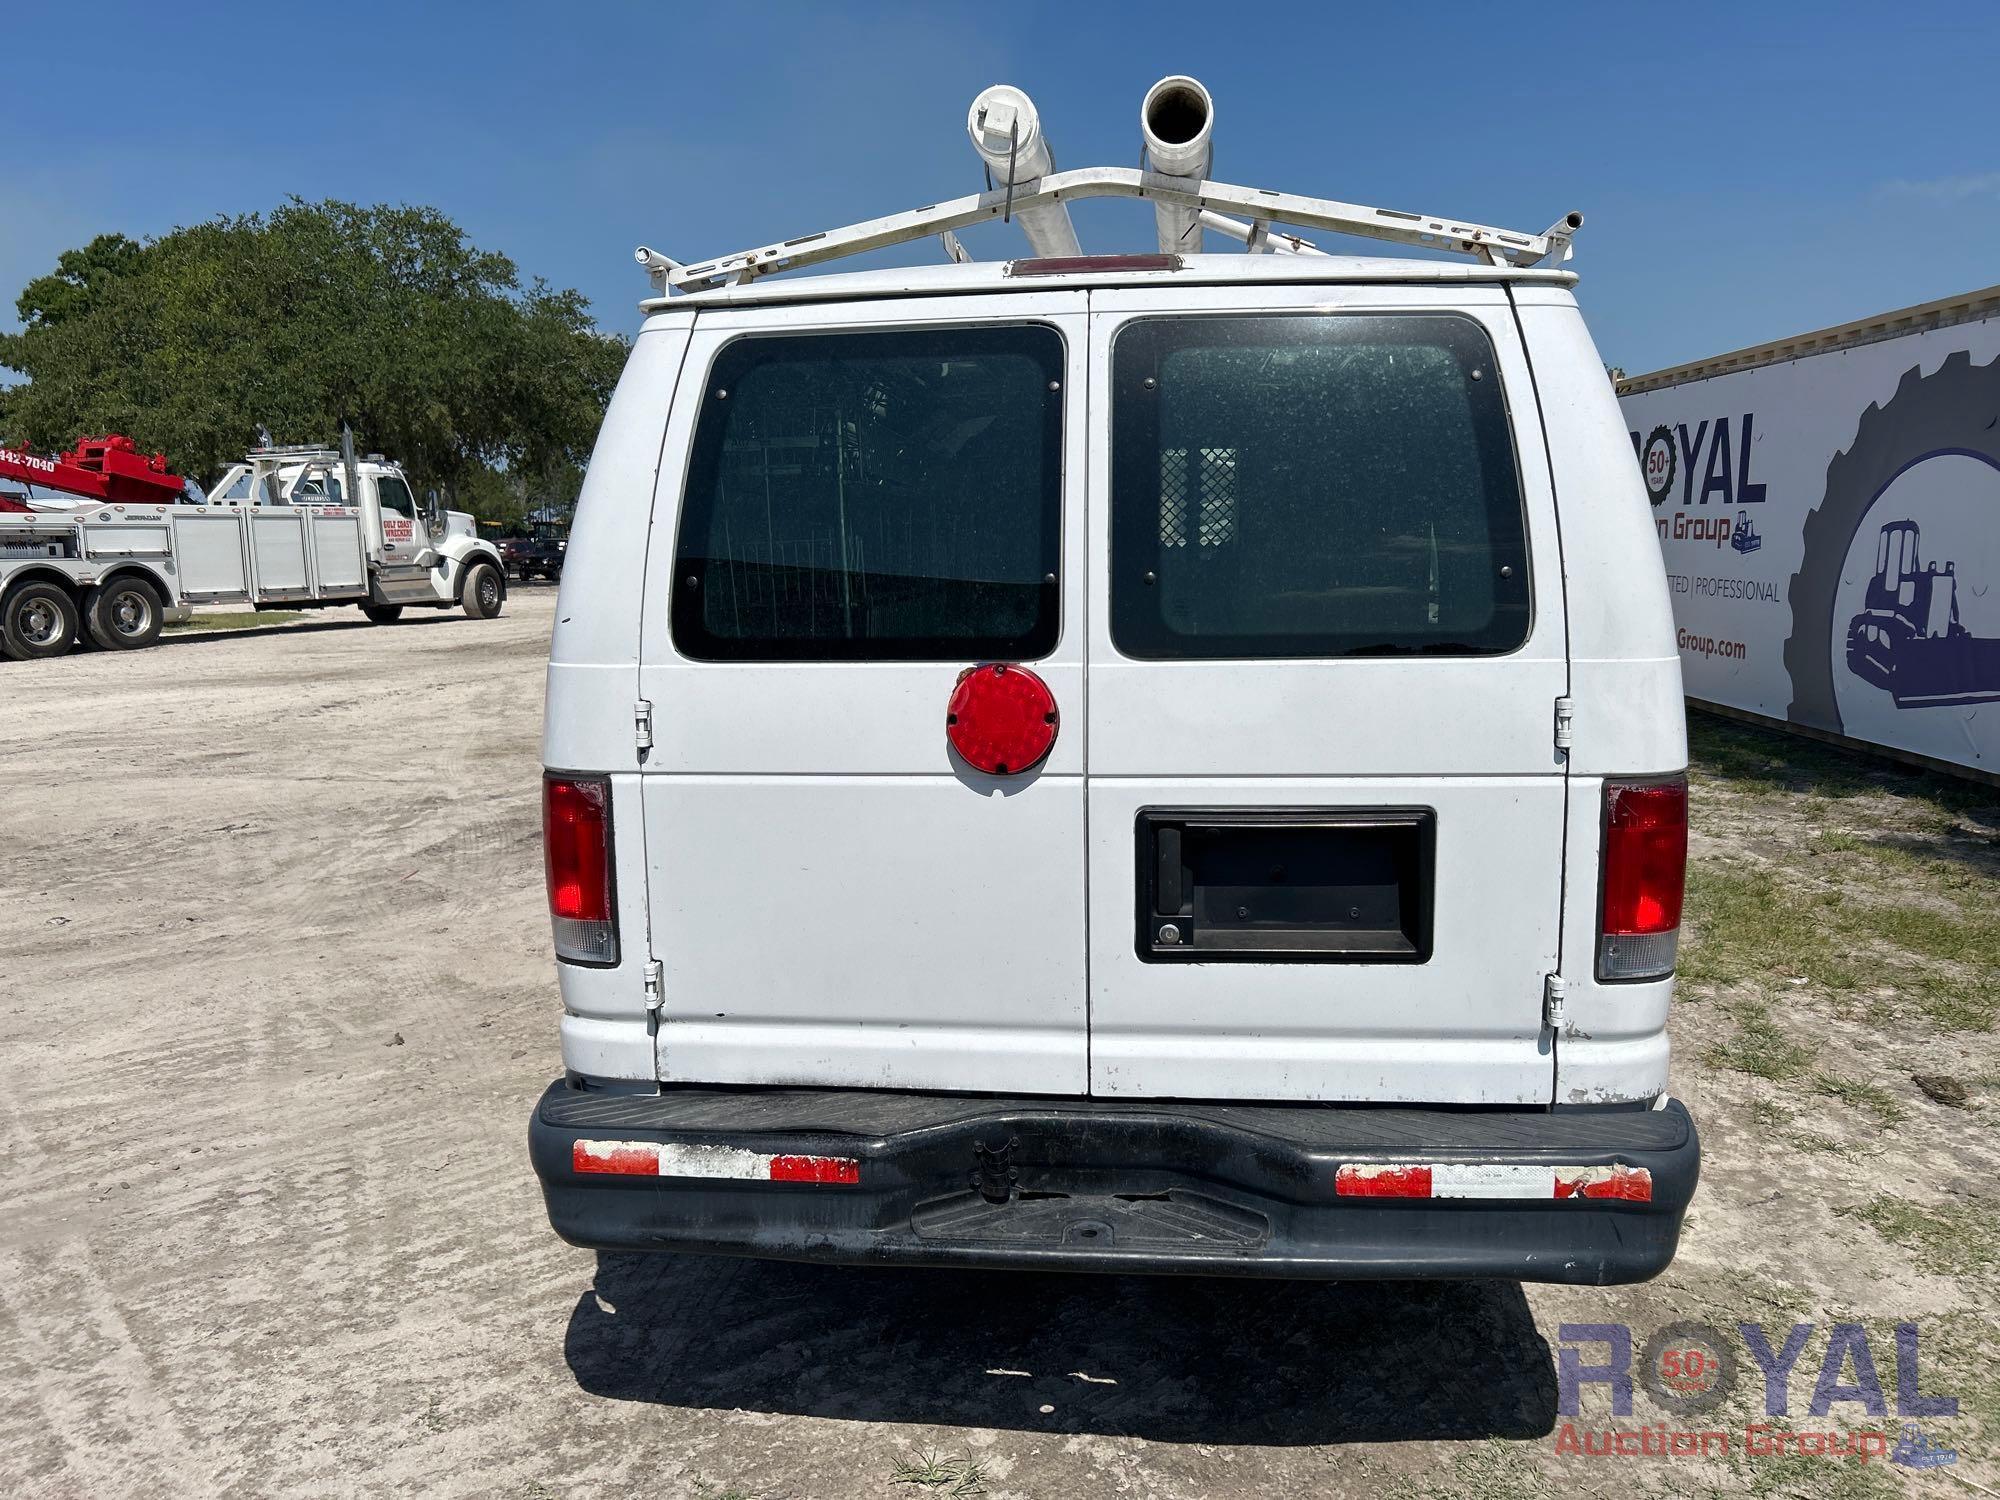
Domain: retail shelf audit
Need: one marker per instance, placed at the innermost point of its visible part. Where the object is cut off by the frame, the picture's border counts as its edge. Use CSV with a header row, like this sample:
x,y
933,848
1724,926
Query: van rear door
x,y
1327,639
873,503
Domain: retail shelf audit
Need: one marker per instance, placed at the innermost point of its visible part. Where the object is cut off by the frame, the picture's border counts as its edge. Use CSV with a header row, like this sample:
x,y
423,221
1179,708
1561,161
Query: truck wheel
x,y
124,614
481,594
382,614
38,620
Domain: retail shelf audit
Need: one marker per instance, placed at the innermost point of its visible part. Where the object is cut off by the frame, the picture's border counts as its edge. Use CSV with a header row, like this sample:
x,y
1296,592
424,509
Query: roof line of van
x,y
986,277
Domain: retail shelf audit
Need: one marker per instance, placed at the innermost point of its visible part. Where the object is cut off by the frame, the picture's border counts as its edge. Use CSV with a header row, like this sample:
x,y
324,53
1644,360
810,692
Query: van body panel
x,y
603,584
614,995
1449,1030
1469,738
1630,719
1613,1045
874,1005
591,686
836,897
608,1051
877,937
1626,686
801,929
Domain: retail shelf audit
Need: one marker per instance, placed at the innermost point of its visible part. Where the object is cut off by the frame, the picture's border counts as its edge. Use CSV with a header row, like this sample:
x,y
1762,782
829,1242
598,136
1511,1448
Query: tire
x,y
382,614
124,614
482,592
38,620
1949,411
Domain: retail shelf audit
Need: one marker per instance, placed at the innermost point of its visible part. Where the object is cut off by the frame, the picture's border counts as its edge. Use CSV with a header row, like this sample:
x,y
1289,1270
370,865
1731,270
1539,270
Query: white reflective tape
x,y
1449,1181
731,1163
713,1161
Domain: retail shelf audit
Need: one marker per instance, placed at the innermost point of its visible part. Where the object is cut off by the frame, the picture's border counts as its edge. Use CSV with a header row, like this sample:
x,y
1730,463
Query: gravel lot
x,y
275,999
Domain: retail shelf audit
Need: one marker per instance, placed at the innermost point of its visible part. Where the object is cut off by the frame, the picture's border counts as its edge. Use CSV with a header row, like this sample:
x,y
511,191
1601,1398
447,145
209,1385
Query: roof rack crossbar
x,y
1499,247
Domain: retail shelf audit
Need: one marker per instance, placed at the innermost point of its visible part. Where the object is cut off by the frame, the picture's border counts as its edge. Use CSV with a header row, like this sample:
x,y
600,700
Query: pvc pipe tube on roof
x,y
1272,242
1177,123
1006,131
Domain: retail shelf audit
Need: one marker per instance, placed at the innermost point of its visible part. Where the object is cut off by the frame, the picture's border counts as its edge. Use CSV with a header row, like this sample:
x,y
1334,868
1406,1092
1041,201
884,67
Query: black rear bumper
x,y
1115,1185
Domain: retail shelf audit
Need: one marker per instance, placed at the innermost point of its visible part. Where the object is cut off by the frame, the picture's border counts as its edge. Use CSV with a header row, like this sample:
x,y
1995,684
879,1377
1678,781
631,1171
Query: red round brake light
x,y
1001,719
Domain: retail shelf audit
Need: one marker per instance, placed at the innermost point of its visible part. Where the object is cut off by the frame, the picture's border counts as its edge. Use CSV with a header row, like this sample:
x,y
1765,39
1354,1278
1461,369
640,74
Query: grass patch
x,y
1955,1006
1794,1474
1762,760
1756,924
1747,923
951,1476
1871,1097
1760,1048
1494,1470
1956,1239
240,621
1771,1114
1772,763
1936,935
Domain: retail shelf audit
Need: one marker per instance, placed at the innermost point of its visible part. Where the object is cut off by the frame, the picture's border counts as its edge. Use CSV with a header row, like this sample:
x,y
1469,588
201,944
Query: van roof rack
x,y
1213,203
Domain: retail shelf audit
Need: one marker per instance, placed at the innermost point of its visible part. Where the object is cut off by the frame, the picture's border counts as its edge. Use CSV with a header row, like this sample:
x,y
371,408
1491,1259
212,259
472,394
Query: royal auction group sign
x,y
1831,532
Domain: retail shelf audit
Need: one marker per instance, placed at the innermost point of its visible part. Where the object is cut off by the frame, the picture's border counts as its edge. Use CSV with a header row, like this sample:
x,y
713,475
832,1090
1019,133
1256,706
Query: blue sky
x,y
1748,171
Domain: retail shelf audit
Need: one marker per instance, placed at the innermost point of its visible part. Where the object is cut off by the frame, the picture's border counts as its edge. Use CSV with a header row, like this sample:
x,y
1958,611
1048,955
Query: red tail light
x,y
1001,719
1645,873
576,848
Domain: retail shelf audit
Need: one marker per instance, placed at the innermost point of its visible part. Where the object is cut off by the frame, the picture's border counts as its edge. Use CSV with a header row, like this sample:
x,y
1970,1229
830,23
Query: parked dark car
x,y
537,552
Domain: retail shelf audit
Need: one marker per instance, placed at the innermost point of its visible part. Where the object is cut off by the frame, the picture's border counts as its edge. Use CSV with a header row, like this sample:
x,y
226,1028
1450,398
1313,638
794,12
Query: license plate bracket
x,y
1285,885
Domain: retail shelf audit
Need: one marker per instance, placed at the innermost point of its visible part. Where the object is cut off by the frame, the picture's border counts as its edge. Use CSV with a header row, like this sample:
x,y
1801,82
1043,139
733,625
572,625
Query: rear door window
x,y
1323,485
880,495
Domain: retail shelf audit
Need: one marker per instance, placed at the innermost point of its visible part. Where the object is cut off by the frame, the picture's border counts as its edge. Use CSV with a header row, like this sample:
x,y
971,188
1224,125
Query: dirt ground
x,y
276,997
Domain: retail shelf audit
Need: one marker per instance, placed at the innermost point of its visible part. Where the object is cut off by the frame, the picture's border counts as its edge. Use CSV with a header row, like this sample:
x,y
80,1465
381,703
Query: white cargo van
x,y
1159,763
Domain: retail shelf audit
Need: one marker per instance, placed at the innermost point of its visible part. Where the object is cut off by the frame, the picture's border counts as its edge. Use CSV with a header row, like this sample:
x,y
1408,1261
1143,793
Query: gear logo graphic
x,y
1658,463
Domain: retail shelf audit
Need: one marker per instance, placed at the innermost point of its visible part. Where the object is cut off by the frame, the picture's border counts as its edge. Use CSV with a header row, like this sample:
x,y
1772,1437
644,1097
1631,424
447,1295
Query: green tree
x,y
386,317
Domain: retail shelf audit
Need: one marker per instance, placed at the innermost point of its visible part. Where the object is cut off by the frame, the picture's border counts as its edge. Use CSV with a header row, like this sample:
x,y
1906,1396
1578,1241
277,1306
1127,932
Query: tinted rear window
x,y
875,496
1323,485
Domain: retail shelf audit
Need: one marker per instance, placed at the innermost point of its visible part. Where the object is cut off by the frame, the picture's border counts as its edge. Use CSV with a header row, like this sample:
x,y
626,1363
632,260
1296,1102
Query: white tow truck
x,y
290,527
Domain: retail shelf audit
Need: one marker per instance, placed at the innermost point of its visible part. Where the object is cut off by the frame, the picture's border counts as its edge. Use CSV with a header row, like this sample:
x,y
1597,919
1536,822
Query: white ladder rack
x,y
1259,206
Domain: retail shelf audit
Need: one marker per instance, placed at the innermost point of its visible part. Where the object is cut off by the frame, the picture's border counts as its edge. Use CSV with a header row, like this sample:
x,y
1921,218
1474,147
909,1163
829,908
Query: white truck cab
x,y
1166,763
418,554
288,528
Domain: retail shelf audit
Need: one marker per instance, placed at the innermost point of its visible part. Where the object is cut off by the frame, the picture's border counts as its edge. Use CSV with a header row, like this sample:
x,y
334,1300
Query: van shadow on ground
x,y
1163,1358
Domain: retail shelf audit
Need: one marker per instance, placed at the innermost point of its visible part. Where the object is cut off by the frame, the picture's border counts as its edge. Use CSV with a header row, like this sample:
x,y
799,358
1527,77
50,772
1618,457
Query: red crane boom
x,y
100,468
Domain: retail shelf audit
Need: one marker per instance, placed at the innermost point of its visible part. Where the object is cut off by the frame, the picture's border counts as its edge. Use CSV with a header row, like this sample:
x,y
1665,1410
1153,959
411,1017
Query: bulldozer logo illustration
x,y
1745,538
1908,640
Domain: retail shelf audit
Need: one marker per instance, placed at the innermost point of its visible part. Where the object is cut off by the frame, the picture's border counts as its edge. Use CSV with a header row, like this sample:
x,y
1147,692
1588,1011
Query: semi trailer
x,y
1790,484
300,527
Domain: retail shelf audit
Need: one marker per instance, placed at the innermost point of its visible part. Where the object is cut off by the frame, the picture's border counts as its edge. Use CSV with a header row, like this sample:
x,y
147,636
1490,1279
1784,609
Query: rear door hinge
x,y
642,724
655,989
1565,722
1555,989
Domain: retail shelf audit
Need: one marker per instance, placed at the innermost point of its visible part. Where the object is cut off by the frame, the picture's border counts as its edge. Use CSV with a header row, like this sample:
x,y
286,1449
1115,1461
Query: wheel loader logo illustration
x,y
1907,638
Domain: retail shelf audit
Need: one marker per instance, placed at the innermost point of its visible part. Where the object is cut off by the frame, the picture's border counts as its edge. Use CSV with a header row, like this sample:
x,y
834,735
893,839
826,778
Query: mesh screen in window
x,y
889,495
1313,485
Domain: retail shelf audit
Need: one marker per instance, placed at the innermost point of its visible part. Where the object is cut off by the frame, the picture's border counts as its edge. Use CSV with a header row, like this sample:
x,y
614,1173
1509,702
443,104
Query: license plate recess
x,y
1286,885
